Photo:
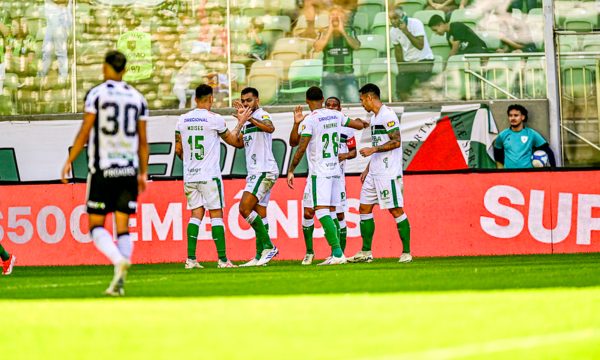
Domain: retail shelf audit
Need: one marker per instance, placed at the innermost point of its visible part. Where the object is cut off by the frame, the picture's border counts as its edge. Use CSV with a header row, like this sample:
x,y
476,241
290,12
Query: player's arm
x,y
143,154
178,145
242,115
304,140
394,143
357,124
351,154
80,140
264,125
294,134
364,174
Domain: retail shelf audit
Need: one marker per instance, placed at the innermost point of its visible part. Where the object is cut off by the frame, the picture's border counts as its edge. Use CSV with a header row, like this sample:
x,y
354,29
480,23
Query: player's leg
x,y
308,222
343,227
8,261
247,205
258,188
399,215
213,196
195,204
368,199
324,197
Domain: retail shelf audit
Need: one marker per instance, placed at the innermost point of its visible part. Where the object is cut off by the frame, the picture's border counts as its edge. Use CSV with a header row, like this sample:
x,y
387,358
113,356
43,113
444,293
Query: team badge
x,y
303,127
391,123
524,139
266,117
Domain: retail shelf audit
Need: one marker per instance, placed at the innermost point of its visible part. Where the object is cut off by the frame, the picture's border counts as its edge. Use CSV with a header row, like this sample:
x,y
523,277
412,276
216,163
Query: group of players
x,y
114,128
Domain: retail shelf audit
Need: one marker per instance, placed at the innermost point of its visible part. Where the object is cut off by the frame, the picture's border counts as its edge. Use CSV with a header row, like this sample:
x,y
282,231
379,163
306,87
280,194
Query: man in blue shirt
x,y
514,146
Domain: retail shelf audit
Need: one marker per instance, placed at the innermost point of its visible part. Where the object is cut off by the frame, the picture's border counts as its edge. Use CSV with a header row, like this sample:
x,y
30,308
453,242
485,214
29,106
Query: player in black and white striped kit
x,y
114,128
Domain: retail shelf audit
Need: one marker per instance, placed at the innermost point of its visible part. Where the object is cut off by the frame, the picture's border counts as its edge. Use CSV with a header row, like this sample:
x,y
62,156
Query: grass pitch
x,y
517,307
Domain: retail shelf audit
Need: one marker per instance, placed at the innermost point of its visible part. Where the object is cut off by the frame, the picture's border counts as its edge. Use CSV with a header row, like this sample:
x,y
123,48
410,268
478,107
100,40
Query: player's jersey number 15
x,y
196,147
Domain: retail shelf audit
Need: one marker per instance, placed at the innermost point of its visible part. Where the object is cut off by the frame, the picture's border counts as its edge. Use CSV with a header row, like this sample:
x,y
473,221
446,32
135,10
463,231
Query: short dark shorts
x,y
110,194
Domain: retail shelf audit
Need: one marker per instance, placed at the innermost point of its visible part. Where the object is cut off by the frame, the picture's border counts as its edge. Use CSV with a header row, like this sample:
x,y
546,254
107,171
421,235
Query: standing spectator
x,y
337,43
59,21
514,146
413,54
461,38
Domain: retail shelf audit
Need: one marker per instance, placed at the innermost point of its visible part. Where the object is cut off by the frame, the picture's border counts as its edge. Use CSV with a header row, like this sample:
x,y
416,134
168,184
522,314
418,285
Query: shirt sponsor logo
x,y
96,205
132,205
195,120
119,172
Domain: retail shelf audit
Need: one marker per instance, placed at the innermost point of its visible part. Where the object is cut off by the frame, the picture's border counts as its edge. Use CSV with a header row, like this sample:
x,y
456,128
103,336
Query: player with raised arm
x,y
197,143
382,179
255,131
114,128
319,136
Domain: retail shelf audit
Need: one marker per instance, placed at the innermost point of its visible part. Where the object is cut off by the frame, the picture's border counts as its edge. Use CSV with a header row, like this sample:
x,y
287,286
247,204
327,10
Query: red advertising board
x,y
450,215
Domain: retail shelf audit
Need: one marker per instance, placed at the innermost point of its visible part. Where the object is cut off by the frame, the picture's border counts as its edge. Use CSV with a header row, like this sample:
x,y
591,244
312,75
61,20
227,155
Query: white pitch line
x,y
498,346
75,284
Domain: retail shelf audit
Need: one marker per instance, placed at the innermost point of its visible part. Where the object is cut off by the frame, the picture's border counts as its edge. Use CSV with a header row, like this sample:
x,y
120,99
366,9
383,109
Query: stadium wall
x,y
500,213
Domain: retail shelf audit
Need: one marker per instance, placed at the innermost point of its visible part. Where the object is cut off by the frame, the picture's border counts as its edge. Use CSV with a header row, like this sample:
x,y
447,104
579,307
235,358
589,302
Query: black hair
x,y
436,20
116,60
314,93
370,88
519,108
203,90
334,98
250,90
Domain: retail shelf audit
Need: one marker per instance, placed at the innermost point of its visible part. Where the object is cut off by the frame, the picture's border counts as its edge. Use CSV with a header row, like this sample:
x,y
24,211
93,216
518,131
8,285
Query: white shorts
x,y
322,191
207,194
343,206
387,192
260,185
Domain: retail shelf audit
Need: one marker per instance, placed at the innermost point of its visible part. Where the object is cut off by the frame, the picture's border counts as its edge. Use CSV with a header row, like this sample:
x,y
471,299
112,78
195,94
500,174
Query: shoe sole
x,y
10,267
405,261
359,261
122,274
272,257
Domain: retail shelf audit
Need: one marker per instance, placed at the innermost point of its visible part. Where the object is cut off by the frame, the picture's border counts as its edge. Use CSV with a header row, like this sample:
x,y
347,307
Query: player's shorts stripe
x,y
220,188
258,182
314,190
394,194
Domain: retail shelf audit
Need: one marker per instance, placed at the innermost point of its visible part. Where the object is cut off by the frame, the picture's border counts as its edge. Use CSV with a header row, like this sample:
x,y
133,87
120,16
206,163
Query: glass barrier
x,y
51,51
579,74
576,16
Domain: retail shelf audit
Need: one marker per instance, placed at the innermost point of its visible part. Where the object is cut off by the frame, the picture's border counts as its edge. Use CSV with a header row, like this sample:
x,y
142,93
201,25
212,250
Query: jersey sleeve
x,y
306,128
499,142
91,101
538,139
391,122
417,28
220,125
144,113
351,143
178,125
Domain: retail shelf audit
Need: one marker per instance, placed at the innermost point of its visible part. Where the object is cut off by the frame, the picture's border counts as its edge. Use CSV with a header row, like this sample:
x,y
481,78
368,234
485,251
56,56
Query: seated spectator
x,y
258,47
446,6
461,38
337,43
15,43
413,54
514,146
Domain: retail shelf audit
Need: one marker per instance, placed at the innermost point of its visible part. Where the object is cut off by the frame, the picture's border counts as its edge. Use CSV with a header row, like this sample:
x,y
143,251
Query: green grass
x,y
515,307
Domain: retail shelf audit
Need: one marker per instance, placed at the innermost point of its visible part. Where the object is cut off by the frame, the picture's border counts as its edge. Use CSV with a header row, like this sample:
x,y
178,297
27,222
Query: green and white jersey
x,y
259,146
200,132
389,163
347,143
324,126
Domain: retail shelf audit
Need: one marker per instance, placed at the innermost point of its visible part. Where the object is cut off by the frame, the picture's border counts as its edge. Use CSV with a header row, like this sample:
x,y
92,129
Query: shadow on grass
x,y
289,278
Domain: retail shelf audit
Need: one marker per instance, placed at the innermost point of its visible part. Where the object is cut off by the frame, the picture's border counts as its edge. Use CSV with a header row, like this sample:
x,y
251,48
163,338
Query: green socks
x,y
218,234
192,237
367,229
308,226
404,232
3,254
259,228
343,234
331,231
259,243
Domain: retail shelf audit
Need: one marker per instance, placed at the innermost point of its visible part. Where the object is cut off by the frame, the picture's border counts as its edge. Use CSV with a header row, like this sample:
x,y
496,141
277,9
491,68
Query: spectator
x,y
446,6
305,26
58,20
413,54
461,38
258,47
516,38
337,43
514,146
15,43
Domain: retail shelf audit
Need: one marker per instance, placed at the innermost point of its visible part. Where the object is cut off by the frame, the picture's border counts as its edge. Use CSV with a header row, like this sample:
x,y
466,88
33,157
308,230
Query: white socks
x,y
104,242
125,245
307,222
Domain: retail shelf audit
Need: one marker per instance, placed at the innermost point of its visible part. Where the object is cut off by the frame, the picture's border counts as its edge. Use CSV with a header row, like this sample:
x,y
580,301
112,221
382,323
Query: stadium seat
x,y
570,43
580,19
439,45
370,8
238,73
288,50
321,22
361,23
424,16
535,78
379,22
438,65
275,28
577,77
458,84
468,17
502,72
371,47
254,8
590,44
9,170
266,76
377,74
279,152
411,6
302,75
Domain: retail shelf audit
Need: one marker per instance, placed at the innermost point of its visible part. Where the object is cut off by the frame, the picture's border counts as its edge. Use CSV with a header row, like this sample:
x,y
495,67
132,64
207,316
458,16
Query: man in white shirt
x,y
412,51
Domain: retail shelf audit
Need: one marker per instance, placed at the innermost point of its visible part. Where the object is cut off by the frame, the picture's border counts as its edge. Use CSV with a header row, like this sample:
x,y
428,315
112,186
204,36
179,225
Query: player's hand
x,y
365,123
298,116
290,180
66,171
244,114
237,104
142,181
363,175
368,151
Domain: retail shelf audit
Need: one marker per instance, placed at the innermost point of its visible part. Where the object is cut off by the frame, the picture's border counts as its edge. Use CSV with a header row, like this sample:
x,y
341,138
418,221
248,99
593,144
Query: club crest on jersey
x,y
524,139
391,123
266,117
303,127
